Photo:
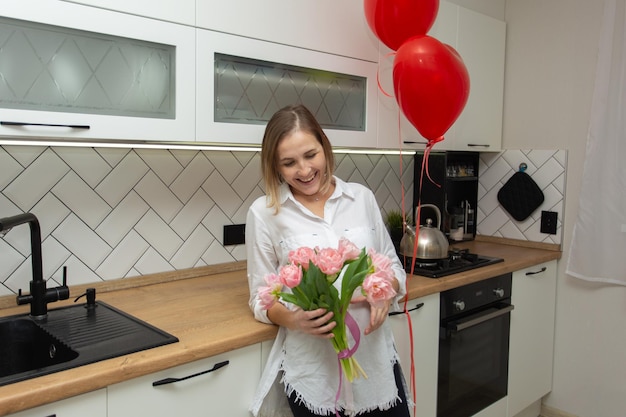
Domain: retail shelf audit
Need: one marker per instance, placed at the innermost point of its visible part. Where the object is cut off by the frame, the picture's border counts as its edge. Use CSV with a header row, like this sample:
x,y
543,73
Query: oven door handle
x,y
457,327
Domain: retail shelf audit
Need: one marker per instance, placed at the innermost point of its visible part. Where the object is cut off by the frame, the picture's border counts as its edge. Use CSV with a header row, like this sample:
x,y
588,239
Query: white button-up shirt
x,y
309,364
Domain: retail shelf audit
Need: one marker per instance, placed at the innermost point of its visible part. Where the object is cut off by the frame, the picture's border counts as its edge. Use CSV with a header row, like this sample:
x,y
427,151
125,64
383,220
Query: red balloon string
x,y
406,297
380,87
425,159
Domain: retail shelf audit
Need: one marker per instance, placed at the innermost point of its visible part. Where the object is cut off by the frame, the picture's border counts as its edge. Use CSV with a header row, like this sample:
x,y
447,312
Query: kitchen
x,y
550,66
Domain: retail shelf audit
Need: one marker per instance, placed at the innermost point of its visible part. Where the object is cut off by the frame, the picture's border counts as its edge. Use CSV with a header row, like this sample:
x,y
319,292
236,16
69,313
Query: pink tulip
x,y
382,264
290,275
302,256
329,261
348,250
269,294
378,289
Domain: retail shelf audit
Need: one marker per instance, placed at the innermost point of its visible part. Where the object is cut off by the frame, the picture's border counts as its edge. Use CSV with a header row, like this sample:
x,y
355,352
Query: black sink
x,y
70,337
26,347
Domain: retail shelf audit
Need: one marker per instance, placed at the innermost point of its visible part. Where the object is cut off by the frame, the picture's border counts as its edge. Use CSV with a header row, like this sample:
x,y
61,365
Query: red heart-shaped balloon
x,y
395,21
431,85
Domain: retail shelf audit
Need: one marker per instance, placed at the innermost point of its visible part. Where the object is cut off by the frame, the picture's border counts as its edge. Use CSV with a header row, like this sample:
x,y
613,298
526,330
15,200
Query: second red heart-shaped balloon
x,y
431,85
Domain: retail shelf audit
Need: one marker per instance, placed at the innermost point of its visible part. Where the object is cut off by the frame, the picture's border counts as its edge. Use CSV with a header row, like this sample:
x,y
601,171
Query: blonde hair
x,y
283,123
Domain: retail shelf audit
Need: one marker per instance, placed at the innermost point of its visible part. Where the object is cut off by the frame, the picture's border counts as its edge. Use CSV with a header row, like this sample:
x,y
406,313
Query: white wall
x,y
550,70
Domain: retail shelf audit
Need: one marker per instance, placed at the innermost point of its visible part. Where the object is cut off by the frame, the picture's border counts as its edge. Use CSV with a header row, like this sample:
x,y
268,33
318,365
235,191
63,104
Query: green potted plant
x,y
395,226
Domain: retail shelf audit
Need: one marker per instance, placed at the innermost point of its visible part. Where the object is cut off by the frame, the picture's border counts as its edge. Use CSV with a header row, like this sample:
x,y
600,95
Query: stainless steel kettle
x,y
431,242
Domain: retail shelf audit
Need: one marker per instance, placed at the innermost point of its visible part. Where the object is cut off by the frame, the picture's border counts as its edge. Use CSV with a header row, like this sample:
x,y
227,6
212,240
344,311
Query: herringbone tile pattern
x,y
108,213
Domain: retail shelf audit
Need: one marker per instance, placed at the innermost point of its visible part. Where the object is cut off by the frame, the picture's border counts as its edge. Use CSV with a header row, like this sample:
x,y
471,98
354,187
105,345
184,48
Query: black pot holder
x,y
520,195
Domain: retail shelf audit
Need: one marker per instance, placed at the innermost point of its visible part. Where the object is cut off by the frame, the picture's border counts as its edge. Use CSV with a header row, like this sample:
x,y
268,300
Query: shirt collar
x,y
341,188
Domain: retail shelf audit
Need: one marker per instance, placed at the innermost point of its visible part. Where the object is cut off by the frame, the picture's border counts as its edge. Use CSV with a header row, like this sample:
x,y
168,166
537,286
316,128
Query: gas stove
x,y
458,260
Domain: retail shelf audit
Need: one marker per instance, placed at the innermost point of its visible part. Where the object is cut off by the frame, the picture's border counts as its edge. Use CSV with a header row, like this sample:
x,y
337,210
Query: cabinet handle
x,y
413,142
43,124
166,381
478,145
417,307
536,272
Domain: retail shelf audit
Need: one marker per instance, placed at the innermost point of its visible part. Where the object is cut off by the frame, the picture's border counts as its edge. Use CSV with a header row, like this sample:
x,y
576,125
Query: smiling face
x,y
301,163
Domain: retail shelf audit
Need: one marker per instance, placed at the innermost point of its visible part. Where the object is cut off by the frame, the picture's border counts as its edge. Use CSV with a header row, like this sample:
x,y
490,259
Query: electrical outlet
x,y
234,234
548,222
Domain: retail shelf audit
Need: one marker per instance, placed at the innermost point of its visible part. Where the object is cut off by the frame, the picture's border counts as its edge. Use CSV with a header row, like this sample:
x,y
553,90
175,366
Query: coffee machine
x,y
453,189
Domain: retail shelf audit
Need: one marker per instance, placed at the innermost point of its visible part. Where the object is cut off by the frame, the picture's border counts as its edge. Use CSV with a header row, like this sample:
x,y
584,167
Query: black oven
x,y
473,346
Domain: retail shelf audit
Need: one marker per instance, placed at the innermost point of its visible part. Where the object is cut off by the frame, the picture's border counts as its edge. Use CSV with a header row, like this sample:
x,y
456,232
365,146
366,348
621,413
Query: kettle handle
x,y
437,212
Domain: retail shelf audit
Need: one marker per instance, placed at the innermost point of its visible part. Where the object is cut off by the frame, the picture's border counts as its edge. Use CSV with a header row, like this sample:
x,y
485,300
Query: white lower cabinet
x,y
532,335
226,391
424,313
92,404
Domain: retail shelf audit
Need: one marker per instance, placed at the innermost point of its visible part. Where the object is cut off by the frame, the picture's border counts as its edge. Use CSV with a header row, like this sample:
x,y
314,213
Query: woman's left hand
x,y
378,313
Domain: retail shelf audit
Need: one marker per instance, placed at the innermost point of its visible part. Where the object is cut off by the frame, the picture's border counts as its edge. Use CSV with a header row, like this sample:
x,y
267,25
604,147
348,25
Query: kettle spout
x,y
408,240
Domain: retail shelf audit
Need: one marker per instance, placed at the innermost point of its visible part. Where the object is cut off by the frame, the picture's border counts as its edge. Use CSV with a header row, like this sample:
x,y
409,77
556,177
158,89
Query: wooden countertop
x,y
207,309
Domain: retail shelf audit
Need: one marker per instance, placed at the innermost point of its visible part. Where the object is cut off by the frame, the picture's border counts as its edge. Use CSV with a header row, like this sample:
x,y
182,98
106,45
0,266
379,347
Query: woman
x,y
306,205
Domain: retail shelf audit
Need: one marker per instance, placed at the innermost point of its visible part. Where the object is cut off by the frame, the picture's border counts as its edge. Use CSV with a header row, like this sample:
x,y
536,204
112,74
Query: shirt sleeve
x,y
387,248
261,259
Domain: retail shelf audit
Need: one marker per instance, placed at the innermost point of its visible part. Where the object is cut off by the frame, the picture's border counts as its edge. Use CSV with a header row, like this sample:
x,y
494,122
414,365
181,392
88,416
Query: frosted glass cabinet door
x,y
262,77
105,74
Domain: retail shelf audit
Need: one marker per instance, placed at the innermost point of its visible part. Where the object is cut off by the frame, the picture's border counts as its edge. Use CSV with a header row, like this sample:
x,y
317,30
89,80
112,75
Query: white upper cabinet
x,y
241,82
336,27
480,40
481,44
106,75
184,11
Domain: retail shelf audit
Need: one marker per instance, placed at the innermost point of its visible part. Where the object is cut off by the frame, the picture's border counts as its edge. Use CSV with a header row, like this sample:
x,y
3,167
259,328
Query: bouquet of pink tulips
x,y
311,273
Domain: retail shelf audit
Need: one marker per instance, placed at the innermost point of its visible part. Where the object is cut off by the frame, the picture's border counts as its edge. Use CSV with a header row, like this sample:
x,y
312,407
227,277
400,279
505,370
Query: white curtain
x,y
598,249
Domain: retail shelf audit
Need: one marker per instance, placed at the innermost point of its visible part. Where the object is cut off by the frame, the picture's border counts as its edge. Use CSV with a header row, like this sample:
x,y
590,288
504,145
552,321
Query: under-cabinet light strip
x,y
183,146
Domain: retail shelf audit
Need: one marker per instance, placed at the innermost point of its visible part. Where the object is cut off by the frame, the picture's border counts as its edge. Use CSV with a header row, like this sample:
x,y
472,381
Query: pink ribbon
x,y
352,325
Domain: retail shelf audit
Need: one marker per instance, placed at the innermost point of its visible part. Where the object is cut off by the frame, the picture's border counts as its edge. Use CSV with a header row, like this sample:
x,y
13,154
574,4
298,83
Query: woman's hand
x,y
315,322
378,313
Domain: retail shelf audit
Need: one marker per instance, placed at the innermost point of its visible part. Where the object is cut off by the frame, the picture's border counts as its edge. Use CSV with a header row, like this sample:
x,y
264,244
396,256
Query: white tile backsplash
x,y
81,199
546,168
188,219
123,257
158,234
36,180
82,241
109,213
9,169
86,163
158,196
191,178
126,173
163,164
122,219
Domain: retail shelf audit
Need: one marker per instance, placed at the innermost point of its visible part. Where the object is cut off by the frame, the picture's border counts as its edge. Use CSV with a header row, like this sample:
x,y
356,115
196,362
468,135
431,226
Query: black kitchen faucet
x,y
39,296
